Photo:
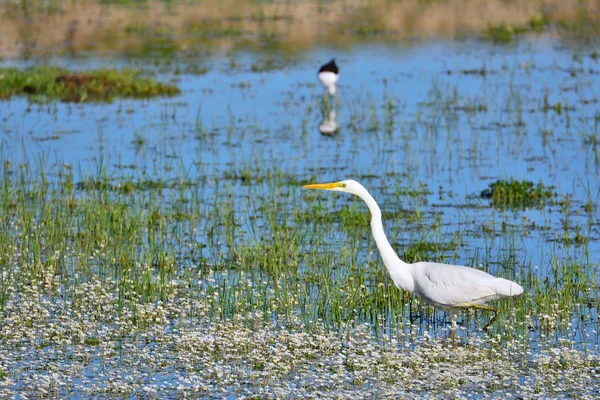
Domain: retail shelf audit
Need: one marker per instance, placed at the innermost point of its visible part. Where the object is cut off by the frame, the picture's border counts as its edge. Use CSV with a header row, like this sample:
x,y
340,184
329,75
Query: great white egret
x,y
328,75
447,287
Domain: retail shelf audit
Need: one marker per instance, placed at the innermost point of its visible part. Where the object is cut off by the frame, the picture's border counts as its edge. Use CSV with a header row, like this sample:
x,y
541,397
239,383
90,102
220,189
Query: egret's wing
x,y
457,286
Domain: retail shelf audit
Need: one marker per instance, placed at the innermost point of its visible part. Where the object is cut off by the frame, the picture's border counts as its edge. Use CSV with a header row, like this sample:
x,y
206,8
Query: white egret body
x,y
328,75
447,287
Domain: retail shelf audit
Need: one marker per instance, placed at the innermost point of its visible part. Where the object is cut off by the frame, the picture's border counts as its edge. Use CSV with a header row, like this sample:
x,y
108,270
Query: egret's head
x,y
348,186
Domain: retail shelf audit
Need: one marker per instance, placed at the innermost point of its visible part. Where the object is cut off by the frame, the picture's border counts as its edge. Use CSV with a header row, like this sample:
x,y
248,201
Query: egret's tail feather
x,y
506,288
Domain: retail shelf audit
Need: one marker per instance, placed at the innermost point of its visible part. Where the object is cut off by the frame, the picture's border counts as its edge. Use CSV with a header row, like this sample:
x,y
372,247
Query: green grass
x,y
429,251
507,32
518,194
53,83
241,254
126,263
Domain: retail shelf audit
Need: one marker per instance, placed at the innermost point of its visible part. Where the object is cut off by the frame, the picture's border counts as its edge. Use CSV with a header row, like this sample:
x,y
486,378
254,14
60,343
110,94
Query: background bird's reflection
x,y
329,125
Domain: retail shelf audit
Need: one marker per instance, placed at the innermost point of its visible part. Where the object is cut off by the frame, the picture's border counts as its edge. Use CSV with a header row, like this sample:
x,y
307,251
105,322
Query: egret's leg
x,y
453,317
487,308
489,324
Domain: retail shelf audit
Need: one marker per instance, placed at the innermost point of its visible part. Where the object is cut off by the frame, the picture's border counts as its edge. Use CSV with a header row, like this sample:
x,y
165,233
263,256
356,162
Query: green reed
x,y
252,240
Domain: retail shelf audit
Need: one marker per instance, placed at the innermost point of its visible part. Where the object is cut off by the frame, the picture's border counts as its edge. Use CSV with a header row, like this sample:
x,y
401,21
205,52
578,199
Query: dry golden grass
x,y
87,25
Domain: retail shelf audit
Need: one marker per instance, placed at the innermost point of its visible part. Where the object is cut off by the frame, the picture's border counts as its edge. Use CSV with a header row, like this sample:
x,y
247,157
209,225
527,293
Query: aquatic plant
x,y
53,83
519,194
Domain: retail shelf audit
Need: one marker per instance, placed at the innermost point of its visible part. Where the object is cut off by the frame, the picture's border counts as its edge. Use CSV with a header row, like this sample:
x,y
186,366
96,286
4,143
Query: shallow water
x,y
449,117
424,113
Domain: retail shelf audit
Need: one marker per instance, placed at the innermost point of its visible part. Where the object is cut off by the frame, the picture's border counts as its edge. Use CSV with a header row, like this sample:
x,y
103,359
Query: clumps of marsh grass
x,y
53,83
507,32
424,250
130,185
124,287
518,194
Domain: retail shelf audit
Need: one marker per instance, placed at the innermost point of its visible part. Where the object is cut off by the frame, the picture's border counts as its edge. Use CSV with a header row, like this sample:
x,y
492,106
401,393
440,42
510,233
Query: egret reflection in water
x,y
329,125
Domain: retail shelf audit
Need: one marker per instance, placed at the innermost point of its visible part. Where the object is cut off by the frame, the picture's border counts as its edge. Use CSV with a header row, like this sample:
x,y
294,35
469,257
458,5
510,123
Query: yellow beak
x,y
324,186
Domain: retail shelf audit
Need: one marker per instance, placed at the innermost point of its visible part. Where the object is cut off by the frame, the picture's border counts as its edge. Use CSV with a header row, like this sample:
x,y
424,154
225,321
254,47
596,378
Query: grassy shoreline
x,y
164,29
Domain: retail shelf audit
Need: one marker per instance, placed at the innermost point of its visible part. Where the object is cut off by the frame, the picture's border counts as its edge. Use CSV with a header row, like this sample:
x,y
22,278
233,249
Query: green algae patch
x,y
52,83
518,194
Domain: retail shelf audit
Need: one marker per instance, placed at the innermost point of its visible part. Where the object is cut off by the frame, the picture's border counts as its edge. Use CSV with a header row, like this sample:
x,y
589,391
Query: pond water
x,y
426,127
454,116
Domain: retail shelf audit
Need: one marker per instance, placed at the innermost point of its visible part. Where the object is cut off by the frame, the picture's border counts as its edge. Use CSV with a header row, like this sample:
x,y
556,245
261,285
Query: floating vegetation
x,y
52,83
518,194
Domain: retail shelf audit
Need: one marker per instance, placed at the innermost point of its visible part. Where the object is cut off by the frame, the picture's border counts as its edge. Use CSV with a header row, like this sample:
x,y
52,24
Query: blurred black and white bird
x,y
328,75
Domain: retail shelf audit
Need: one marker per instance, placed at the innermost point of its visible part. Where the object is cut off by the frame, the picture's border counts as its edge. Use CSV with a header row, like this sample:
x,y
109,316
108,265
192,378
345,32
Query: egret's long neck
x,y
398,269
